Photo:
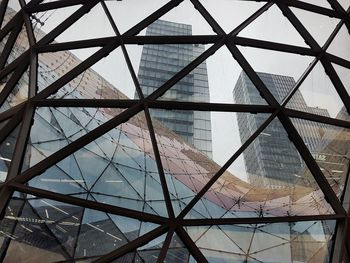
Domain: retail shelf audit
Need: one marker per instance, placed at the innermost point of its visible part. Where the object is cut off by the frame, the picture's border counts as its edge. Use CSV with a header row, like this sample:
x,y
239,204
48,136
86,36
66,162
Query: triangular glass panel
x,y
186,148
345,4
56,180
317,95
121,159
230,14
177,251
109,78
44,22
158,63
7,148
98,228
321,3
4,81
120,11
315,238
340,44
273,26
330,146
150,251
53,65
277,242
18,94
202,83
319,26
54,128
12,8
88,28
274,69
183,20
268,179
344,75
21,45
3,42
39,230
141,255
215,244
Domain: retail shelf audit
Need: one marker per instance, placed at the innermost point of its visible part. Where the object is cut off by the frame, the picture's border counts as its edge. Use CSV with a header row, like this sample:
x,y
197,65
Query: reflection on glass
x,y
119,168
276,72
18,94
43,230
277,242
330,147
7,148
274,181
318,96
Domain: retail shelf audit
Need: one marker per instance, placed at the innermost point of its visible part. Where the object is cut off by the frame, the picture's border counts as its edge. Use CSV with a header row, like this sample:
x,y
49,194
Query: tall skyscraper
x,y
158,64
267,163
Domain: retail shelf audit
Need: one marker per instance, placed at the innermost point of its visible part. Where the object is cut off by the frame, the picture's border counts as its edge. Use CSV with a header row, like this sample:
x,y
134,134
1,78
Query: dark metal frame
x,y
23,113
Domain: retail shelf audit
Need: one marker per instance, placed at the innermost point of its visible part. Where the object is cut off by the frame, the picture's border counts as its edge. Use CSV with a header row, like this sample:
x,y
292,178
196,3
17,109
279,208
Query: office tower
x,y
272,160
158,64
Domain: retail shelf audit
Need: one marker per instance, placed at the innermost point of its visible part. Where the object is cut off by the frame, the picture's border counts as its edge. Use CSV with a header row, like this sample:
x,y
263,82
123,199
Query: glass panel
x,y
277,242
340,44
114,80
3,42
37,230
59,231
345,4
44,22
330,147
120,11
88,28
322,3
229,14
18,94
54,128
21,45
268,179
317,95
210,82
177,251
7,148
52,66
150,251
344,75
280,72
195,146
319,26
11,10
273,26
118,168
183,20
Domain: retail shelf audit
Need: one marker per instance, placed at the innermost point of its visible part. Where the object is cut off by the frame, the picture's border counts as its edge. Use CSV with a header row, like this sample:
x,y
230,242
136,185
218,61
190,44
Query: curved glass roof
x,y
174,131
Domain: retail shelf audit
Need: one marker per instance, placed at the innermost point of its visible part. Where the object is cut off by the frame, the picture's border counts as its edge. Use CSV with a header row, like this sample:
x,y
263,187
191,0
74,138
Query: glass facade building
x,y
88,174
262,155
158,64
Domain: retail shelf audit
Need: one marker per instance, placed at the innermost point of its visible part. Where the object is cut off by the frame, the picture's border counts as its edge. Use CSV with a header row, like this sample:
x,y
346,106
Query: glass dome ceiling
x,y
174,131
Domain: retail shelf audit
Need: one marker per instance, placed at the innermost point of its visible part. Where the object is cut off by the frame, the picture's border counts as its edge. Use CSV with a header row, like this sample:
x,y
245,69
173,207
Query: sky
x,y
223,70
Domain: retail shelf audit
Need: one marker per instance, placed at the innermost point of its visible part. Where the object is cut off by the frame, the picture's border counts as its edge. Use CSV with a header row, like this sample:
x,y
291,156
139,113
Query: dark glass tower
x,y
158,64
272,160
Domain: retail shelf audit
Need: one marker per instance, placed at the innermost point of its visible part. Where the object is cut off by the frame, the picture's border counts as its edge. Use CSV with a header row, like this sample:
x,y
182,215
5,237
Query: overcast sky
x,y
223,71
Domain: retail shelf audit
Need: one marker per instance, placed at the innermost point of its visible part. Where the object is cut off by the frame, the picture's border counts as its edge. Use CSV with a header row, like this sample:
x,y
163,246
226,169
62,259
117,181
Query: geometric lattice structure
x,y
90,175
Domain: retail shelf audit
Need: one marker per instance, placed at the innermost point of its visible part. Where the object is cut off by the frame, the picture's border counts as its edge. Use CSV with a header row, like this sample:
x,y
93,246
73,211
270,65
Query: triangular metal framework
x,y
23,113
